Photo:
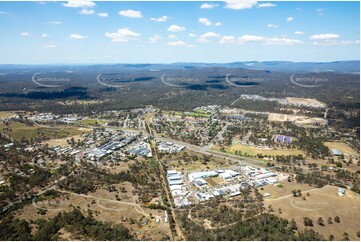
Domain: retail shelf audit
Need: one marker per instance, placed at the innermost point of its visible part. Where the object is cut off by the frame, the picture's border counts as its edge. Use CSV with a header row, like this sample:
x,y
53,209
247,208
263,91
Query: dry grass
x,y
177,162
344,148
19,130
323,202
6,114
251,150
110,211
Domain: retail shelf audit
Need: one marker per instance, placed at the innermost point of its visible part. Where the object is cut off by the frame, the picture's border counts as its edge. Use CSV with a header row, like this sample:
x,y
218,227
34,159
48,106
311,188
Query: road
x,y
207,151
218,135
136,206
165,184
42,191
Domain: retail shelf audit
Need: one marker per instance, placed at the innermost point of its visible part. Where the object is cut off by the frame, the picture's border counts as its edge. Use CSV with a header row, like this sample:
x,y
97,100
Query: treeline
x,y
80,227
263,227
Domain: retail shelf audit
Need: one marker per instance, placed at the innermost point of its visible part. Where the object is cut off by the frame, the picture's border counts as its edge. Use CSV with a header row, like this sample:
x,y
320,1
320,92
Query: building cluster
x,y
259,176
202,187
169,147
49,117
179,191
101,143
208,109
284,139
140,149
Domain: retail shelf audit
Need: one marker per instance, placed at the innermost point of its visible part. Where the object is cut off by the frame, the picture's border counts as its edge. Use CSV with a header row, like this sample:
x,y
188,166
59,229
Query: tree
x,y
293,225
345,236
337,219
331,237
329,220
320,221
307,221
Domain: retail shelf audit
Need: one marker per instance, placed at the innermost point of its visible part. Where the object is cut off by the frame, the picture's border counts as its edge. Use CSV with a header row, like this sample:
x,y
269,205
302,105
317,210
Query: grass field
x,y
92,122
19,130
251,150
177,162
6,114
323,202
344,148
197,114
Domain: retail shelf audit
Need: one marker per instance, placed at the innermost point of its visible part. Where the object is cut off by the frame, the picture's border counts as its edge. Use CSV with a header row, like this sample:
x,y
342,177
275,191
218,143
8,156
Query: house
x,y
199,182
341,191
336,152
202,174
284,139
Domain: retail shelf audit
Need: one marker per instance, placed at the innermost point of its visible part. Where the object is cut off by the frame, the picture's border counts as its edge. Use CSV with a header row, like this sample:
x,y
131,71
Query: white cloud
x,y
123,35
177,43
77,36
272,25
131,14
218,24
104,15
228,39
282,41
161,19
240,4
289,19
155,38
250,38
319,11
172,36
24,34
324,36
192,35
54,22
209,35
49,46
87,11
44,35
266,5
79,4
176,28
205,21
205,38
260,39
333,42
299,32
208,5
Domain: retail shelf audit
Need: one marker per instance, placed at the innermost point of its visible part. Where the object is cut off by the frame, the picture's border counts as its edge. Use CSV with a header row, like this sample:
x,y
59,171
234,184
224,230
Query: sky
x,y
82,31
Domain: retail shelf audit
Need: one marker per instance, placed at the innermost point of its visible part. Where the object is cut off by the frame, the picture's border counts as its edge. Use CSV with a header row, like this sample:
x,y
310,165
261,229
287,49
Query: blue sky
x,y
82,31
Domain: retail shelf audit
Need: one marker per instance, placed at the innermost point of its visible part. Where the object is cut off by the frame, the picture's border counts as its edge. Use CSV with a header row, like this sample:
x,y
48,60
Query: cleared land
x,y
105,207
92,122
344,148
323,202
251,150
299,120
186,162
6,114
305,101
18,130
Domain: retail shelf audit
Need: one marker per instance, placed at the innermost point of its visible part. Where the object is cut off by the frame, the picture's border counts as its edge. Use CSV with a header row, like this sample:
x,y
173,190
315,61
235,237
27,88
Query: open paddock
x,y
321,202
